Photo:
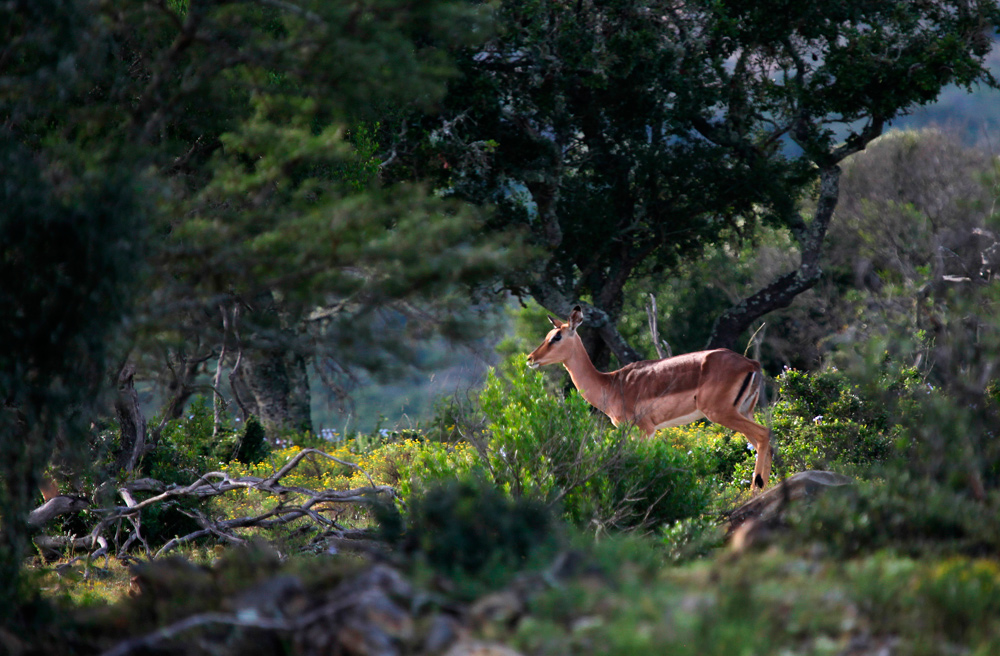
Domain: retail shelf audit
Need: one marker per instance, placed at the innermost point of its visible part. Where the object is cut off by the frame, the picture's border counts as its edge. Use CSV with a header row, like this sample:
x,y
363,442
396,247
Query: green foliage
x,y
253,446
907,514
720,458
531,430
189,448
769,603
413,463
748,103
191,444
471,529
823,420
694,537
539,445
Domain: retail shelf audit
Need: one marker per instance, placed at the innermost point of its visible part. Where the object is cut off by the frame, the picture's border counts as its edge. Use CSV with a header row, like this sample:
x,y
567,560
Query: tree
x,y
624,136
914,217
207,160
266,151
67,270
254,117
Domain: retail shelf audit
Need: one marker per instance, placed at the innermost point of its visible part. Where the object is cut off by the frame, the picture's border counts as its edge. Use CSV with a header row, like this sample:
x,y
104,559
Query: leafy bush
x,y
945,418
469,528
907,514
189,446
253,446
954,601
720,457
691,538
822,420
540,446
773,602
412,464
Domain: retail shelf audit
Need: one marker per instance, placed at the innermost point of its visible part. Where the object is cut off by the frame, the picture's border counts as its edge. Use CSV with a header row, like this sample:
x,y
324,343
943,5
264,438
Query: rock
x,y
477,648
362,618
768,504
754,522
275,597
503,607
442,632
379,612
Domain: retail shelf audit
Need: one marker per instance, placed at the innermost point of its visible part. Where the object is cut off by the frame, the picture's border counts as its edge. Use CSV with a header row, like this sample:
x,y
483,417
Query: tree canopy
x,y
624,136
191,186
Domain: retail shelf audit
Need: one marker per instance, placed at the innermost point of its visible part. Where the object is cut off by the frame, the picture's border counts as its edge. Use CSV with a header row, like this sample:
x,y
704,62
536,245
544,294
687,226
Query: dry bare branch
x,y
308,503
664,350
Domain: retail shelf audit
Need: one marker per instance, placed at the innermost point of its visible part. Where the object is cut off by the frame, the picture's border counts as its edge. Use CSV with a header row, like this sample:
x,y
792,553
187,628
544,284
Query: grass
x,y
773,602
74,583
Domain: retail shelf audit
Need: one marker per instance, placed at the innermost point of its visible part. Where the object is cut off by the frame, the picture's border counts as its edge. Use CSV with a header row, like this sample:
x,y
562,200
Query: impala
x,y
718,385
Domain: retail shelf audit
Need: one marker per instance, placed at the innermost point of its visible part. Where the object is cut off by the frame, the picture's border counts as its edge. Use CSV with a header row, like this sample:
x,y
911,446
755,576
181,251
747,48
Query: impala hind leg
x,y
762,437
762,466
759,438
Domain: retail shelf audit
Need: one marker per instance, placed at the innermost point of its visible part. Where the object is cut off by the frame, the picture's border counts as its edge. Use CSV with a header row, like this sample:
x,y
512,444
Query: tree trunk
x,y
278,382
780,293
131,422
23,451
181,387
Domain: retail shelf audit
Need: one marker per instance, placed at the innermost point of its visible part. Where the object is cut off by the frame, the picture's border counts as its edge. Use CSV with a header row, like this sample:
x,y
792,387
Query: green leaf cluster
x,y
823,420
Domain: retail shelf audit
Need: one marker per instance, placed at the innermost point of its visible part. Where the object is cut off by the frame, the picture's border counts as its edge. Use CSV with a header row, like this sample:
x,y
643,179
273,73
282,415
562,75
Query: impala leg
x,y
762,467
765,452
759,437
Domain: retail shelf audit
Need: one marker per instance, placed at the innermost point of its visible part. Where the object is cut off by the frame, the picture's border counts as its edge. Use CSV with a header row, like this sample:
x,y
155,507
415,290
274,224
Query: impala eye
x,y
556,338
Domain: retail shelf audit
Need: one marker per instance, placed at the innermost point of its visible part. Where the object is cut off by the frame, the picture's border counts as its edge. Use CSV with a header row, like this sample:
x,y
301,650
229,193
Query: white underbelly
x,y
681,420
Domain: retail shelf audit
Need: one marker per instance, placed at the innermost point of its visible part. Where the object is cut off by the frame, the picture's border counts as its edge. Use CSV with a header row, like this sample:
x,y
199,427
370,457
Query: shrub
x,y
540,446
189,445
721,458
822,420
253,446
413,464
691,538
469,528
907,514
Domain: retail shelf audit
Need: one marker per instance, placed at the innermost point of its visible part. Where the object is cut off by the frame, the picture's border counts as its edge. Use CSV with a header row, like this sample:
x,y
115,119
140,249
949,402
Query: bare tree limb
x,y
663,351
242,620
312,505
54,507
218,404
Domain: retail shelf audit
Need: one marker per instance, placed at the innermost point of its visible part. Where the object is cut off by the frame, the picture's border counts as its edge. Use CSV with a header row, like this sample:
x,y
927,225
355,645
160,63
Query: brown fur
x,y
668,392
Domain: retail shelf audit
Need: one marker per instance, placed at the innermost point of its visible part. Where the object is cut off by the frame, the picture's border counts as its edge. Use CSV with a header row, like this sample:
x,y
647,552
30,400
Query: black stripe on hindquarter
x,y
743,388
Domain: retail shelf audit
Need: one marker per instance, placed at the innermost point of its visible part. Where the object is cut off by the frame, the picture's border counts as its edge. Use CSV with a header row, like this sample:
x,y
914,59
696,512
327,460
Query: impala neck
x,y
590,382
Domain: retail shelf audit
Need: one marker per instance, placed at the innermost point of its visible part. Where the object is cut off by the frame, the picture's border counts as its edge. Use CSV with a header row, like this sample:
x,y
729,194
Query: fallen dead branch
x,y
295,502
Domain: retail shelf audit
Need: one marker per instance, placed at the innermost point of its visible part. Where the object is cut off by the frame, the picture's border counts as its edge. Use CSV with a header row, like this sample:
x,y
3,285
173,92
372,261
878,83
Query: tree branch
x,y
781,292
654,330
213,484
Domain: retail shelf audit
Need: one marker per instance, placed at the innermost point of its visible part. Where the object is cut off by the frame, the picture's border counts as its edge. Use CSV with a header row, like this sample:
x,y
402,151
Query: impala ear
x,y
556,322
575,318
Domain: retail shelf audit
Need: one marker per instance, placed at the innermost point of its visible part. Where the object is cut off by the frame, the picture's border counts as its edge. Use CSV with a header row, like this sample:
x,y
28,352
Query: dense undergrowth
x,y
904,559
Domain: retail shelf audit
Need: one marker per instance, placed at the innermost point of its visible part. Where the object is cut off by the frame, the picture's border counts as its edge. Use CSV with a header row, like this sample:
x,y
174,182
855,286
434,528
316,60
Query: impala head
x,y
558,344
